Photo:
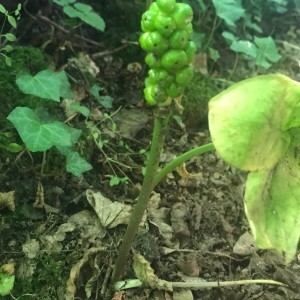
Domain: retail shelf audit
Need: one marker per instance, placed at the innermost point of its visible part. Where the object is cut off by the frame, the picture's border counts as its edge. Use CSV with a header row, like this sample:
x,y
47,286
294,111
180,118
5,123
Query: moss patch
x,y
195,100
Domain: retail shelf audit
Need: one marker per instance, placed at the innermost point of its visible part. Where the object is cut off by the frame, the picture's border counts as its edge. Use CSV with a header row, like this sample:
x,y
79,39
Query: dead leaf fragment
x,y
183,294
8,269
244,245
188,265
110,214
7,200
184,174
160,216
89,255
85,64
145,273
31,248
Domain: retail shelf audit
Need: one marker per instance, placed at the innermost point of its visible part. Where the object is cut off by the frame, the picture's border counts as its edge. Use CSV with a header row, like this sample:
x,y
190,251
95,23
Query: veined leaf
x,y
46,84
229,10
38,136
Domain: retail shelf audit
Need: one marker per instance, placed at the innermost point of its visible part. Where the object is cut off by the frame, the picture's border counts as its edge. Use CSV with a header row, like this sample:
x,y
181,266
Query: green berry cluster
x,y
167,29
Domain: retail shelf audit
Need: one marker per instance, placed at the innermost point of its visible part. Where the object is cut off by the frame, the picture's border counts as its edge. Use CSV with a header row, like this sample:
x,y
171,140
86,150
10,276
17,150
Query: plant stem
x,y
161,120
171,166
197,284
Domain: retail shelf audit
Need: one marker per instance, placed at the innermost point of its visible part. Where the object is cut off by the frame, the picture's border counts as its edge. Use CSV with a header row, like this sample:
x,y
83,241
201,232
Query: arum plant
x,y
253,124
167,29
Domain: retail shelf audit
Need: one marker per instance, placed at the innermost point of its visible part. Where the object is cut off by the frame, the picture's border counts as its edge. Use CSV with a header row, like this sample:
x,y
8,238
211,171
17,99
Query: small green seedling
x,y
5,38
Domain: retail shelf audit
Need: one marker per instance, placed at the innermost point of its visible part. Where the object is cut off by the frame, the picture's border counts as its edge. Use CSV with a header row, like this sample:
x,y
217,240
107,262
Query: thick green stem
x,y
161,120
180,160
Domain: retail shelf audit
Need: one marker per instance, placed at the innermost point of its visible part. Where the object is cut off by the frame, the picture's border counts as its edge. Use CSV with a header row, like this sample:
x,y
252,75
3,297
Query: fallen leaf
x,y
110,214
145,273
7,200
89,255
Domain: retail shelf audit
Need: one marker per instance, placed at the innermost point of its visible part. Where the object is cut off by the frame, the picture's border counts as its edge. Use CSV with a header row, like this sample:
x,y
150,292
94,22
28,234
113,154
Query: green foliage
x,y
38,130
167,29
6,283
263,50
254,126
244,27
11,18
84,12
229,10
105,101
45,84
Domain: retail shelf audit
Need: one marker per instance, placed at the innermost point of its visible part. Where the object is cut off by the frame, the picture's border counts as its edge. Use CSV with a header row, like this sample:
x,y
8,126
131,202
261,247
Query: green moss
x,y
195,100
50,274
24,59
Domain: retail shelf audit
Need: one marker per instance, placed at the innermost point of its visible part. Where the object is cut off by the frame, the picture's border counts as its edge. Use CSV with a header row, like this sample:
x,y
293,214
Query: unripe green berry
x,y
166,6
184,76
190,51
147,22
152,60
179,39
161,77
148,95
182,15
154,7
155,92
175,90
189,29
173,60
164,24
153,42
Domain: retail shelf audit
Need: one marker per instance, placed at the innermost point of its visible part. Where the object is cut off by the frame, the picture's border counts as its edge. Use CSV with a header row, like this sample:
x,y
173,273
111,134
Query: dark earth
x,y
195,226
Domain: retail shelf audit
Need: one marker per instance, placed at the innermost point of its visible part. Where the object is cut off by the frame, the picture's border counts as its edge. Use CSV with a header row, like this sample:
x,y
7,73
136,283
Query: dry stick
x,y
161,120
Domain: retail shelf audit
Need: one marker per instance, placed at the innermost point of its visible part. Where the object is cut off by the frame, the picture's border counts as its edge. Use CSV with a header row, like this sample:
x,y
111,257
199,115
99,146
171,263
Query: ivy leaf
x,y
76,164
36,135
245,47
46,84
266,52
229,10
86,14
105,101
80,108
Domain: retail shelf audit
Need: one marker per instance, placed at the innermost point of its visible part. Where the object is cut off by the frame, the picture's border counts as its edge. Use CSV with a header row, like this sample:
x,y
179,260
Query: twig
x,y
64,30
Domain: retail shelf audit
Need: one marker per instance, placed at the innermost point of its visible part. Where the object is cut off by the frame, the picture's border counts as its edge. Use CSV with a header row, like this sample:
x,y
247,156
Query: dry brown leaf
x,y
184,174
110,214
159,216
39,197
183,294
75,272
179,216
7,200
118,295
188,265
145,273
8,269
31,248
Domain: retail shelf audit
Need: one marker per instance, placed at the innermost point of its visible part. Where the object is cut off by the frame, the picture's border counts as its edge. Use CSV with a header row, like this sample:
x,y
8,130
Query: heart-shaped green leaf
x,y
46,84
36,135
248,121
